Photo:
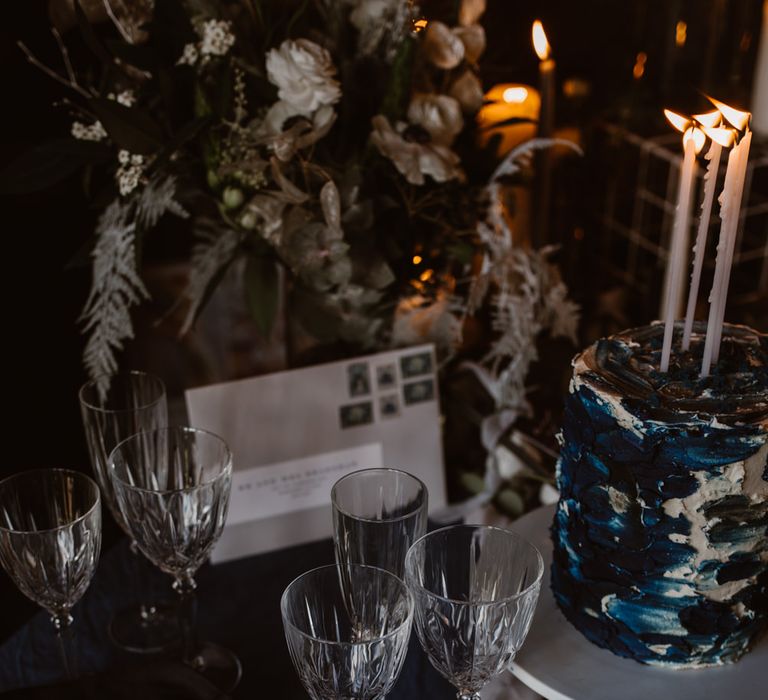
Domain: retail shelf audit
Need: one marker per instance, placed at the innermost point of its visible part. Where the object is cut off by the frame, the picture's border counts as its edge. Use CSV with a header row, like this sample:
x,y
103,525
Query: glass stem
x,y
185,586
64,637
147,611
468,696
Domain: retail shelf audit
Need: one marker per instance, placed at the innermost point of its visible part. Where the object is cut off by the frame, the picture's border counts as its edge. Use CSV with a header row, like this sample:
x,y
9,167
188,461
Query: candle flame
x,y
680,122
638,70
735,117
516,95
709,119
681,33
698,136
540,43
722,135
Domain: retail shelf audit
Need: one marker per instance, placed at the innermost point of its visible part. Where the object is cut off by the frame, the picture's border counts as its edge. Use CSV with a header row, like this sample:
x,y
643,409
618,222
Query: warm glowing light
x,y
638,70
515,95
733,116
420,25
426,275
722,135
540,43
680,122
698,136
681,33
709,119
417,259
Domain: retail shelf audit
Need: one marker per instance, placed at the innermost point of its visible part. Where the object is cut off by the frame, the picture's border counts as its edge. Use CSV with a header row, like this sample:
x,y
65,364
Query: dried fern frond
x,y
116,287
213,251
157,198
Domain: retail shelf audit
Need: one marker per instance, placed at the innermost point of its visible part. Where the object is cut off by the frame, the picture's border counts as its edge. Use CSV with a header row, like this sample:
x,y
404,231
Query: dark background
x,y
595,40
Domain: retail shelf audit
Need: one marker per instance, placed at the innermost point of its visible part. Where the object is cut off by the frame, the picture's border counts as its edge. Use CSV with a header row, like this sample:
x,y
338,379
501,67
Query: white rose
x,y
442,47
440,115
303,73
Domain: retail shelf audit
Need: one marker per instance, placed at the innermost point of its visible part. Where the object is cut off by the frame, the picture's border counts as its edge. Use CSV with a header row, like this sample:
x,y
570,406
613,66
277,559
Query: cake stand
x,y
559,663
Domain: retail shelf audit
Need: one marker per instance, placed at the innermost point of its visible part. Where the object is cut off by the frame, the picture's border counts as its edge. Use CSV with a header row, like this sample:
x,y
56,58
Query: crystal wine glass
x,y
135,401
332,658
172,486
377,515
475,588
50,538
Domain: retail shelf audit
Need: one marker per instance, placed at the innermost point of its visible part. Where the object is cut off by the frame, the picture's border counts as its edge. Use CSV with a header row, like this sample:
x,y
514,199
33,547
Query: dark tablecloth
x,y
239,608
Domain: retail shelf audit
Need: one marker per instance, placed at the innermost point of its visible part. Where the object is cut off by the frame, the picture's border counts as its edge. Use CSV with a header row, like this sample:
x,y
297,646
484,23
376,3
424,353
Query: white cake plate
x,y
559,663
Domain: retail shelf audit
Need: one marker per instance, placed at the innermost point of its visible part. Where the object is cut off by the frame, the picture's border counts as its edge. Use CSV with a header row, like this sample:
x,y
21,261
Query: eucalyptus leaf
x,y
510,502
262,291
474,483
130,128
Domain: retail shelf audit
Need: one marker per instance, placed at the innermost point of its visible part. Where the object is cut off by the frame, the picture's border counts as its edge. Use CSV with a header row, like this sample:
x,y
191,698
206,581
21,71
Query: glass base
x,y
144,629
219,666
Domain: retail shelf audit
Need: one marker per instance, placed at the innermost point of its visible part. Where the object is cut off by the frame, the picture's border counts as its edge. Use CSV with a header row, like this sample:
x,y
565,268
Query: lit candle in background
x,y
730,214
541,234
720,138
693,141
546,79
507,102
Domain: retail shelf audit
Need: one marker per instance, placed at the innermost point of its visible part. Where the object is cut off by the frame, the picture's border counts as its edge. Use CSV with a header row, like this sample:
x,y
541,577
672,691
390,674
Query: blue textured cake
x,y
660,535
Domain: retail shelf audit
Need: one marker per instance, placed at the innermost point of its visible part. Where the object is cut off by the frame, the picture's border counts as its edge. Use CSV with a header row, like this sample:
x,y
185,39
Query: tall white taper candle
x,y
677,255
710,178
730,211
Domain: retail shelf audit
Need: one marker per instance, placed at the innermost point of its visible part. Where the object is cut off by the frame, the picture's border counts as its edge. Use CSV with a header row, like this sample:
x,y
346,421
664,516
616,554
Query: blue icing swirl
x,y
661,528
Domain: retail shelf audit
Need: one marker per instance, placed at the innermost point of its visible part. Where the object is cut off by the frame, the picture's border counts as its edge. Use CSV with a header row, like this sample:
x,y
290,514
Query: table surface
x,y
238,607
584,671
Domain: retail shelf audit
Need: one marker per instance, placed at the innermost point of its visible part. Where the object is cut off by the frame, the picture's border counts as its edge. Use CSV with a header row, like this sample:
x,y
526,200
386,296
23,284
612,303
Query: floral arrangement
x,y
335,139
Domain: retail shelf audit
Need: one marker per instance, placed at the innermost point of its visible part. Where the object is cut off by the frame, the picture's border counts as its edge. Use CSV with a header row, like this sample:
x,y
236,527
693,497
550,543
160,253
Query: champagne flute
x,y
135,401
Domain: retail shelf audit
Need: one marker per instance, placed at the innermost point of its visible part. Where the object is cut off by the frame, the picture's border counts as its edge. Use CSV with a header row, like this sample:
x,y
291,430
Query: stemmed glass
x,y
50,538
475,589
333,658
172,486
135,401
377,515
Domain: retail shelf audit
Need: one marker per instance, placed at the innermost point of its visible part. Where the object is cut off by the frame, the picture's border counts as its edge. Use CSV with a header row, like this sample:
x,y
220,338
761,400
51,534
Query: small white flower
x,y
94,132
127,98
128,179
442,47
440,115
217,38
189,56
304,75
131,169
412,158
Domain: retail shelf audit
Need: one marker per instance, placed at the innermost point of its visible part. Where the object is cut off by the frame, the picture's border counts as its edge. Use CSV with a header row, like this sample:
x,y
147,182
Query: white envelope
x,y
294,434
